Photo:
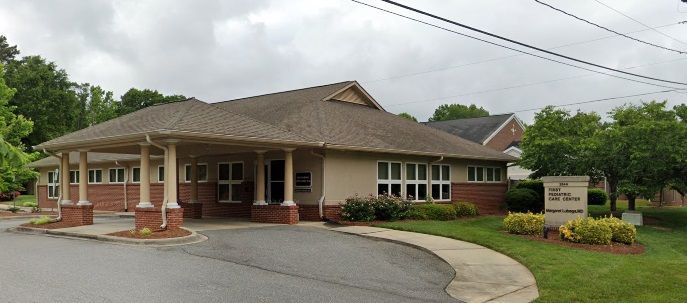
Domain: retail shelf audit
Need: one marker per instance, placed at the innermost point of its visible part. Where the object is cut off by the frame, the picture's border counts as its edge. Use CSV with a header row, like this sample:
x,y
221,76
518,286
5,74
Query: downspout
x,y
324,191
59,198
163,208
126,180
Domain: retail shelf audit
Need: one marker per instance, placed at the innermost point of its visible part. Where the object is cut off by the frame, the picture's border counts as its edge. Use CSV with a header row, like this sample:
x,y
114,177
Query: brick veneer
x,y
274,214
505,137
309,212
489,197
192,210
151,217
77,215
332,213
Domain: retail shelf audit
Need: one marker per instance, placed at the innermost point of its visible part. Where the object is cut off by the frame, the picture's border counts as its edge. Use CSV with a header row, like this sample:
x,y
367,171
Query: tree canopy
x,y
407,116
457,111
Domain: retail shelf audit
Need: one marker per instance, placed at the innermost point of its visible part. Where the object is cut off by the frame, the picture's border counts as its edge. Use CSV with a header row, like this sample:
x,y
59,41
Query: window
x,y
441,182
202,172
484,174
229,179
389,178
116,175
160,173
416,181
53,184
95,176
136,174
73,177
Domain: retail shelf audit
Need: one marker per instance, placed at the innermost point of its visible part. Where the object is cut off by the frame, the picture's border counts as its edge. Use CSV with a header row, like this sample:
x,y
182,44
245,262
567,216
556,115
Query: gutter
x,y
320,203
59,198
163,208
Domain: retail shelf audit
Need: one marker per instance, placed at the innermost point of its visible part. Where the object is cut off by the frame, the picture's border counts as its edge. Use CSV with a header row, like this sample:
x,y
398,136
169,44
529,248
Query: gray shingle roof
x,y
92,158
474,129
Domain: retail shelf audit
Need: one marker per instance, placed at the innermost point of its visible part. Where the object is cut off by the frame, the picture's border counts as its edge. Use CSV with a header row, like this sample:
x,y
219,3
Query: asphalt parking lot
x,y
268,264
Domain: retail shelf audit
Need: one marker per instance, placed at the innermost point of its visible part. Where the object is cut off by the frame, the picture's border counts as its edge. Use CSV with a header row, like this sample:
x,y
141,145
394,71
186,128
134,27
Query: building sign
x,y
565,198
303,182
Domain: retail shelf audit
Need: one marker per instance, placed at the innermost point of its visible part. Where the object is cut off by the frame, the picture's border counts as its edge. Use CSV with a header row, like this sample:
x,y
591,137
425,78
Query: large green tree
x,y
7,52
96,105
135,99
407,116
457,111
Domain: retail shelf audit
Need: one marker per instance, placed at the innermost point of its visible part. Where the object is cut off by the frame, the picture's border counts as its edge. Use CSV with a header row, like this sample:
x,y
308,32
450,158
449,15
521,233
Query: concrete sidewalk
x,y
482,275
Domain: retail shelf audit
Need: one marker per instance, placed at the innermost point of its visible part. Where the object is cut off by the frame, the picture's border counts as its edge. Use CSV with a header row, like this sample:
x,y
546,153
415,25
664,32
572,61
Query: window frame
x,y
160,175
390,181
441,182
416,182
485,174
77,175
133,180
230,182
117,175
55,184
95,175
189,175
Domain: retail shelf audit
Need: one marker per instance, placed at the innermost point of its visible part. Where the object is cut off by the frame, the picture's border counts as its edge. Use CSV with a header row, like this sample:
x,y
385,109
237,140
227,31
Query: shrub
x,y
40,221
596,196
538,187
358,209
145,232
623,232
466,209
524,223
30,204
523,200
14,209
586,230
390,207
442,212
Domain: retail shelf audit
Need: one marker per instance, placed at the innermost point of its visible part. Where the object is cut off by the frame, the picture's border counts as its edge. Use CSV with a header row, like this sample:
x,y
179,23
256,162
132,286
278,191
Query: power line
x,y
502,57
522,85
596,100
608,29
522,44
640,22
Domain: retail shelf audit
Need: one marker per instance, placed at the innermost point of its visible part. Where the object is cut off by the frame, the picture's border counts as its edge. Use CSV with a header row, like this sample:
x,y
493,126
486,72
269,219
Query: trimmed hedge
x,y
431,211
587,231
523,200
358,209
596,196
622,231
538,187
382,207
524,223
466,209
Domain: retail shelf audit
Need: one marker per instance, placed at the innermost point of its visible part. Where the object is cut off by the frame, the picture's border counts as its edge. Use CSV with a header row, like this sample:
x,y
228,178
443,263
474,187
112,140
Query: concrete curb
x,y
482,275
194,237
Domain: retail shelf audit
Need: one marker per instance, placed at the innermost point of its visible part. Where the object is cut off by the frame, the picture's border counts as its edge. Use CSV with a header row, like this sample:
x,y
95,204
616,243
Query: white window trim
x,y
484,174
441,182
199,180
390,181
94,176
132,174
76,172
53,184
158,174
417,181
230,182
116,175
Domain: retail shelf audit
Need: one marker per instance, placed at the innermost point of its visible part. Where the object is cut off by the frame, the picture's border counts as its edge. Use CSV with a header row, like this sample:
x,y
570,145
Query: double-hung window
x,y
416,181
136,175
484,174
73,177
202,171
441,182
95,176
53,184
161,173
389,178
116,175
229,179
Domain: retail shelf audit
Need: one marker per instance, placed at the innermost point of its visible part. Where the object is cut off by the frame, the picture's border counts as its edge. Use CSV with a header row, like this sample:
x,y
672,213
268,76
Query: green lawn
x,y
21,199
573,275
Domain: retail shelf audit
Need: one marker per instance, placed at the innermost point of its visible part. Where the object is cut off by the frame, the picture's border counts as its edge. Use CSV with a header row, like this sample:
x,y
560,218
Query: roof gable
x,y
477,130
354,93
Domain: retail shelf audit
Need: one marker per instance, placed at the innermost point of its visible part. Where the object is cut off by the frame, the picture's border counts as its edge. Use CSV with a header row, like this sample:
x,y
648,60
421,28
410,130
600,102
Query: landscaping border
x,y
191,239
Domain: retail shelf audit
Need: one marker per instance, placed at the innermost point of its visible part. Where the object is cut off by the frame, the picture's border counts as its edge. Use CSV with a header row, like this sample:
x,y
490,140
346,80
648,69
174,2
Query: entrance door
x,y
275,181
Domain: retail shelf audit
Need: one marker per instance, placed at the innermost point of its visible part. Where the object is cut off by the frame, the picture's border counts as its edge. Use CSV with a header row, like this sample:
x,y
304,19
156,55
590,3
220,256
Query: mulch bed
x,y
172,232
4,213
615,248
55,225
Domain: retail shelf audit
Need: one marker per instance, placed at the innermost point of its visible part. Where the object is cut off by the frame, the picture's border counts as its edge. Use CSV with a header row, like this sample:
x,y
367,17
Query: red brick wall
x,y
152,218
274,214
309,212
332,213
77,215
505,136
489,197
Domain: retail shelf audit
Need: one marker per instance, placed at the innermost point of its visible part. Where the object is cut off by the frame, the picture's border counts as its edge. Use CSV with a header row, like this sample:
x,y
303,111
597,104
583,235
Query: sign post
x,y
565,198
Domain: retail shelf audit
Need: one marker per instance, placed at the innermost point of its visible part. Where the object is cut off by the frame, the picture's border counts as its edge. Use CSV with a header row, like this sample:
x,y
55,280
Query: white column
x,y
260,179
288,177
194,180
83,178
171,177
144,188
64,177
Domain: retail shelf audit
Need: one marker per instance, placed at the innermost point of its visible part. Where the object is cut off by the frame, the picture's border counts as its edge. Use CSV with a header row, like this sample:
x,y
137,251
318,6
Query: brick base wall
x,y
332,213
192,210
309,212
77,215
274,214
489,197
151,217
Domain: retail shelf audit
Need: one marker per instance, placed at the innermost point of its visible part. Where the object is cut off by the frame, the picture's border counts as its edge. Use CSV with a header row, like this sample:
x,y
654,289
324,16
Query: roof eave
x,y
504,158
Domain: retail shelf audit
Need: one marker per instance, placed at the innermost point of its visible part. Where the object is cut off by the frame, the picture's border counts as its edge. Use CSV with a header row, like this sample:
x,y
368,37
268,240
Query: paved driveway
x,y
268,264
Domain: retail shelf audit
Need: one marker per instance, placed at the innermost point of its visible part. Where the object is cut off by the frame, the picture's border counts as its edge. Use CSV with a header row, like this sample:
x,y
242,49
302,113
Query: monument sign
x,y
565,198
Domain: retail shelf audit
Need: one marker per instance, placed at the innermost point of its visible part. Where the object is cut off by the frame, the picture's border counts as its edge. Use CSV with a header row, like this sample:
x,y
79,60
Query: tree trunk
x,y
613,195
631,202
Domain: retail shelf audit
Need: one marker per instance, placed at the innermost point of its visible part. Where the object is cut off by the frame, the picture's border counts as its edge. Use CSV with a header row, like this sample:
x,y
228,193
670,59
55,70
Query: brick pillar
x,y
151,217
279,214
77,215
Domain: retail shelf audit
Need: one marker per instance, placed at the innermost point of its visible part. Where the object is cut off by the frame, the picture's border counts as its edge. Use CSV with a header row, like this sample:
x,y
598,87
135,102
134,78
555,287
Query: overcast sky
x,y
220,50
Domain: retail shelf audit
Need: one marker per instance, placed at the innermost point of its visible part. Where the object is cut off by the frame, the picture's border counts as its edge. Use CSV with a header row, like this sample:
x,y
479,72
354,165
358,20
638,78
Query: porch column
x,y
288,177
171,174
260,179
64,176
83,178
194,180
144,186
